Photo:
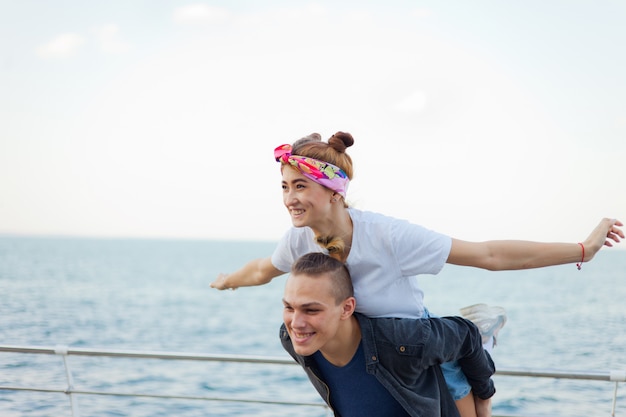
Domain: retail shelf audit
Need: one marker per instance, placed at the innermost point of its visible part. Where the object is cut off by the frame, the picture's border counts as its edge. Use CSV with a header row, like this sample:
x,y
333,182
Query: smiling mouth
x,y
302,336
297,212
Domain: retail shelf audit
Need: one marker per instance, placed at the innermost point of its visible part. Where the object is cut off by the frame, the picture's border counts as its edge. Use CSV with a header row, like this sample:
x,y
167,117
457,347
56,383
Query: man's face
x,y
311,313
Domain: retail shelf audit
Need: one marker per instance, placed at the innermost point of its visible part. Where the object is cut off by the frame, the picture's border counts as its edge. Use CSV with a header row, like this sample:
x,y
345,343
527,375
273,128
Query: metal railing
x,y
72,392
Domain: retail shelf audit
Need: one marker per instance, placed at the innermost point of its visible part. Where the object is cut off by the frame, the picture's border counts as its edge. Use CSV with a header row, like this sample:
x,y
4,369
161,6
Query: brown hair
x,y
334,152
317,264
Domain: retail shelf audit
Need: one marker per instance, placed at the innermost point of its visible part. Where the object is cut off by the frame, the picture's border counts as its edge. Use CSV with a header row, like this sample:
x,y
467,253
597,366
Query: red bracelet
x,y
580,264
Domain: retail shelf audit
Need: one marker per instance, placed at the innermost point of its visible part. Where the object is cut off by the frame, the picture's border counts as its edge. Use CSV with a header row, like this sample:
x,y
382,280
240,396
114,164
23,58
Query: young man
x,y
374,366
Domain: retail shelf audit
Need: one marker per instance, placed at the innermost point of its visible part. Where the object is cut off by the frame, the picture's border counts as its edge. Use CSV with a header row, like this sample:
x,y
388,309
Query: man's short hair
x,y
317,264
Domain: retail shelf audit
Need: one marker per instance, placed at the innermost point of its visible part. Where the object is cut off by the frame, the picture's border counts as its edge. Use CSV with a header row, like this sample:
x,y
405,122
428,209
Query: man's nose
x,y
297,320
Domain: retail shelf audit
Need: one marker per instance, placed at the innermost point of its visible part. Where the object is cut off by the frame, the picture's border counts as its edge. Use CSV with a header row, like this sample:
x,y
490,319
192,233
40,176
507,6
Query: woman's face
x,y
308,202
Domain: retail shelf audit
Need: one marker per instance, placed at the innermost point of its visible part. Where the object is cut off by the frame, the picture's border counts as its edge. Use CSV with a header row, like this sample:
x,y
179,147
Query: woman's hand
x,y
605,233
220,283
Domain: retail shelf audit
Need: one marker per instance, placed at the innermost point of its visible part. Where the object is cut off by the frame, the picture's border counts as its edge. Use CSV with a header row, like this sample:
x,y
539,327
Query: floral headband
x,y
323,173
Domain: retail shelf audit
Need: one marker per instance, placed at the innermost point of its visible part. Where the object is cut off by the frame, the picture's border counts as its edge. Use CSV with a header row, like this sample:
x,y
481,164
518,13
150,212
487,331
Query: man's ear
x,y
349,304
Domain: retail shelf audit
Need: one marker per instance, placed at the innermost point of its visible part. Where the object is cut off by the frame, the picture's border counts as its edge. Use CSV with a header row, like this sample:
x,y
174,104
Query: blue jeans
x,y
457,383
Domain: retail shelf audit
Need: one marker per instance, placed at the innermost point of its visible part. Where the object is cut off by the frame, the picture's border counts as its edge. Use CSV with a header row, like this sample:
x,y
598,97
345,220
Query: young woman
x,y
384,255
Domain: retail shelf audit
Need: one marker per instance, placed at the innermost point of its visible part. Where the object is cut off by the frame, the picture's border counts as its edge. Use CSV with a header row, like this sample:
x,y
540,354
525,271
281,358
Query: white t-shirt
x,y
386,256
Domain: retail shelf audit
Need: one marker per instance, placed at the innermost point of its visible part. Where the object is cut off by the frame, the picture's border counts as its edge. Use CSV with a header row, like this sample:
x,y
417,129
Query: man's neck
x,y
341,350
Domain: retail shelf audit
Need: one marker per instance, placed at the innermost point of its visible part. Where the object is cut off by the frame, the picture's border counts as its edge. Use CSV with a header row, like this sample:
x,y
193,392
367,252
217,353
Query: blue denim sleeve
x,y
455,338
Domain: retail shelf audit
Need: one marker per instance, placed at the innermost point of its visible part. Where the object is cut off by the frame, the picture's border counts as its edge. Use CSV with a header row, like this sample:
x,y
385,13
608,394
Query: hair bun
x,y
313,137
340,141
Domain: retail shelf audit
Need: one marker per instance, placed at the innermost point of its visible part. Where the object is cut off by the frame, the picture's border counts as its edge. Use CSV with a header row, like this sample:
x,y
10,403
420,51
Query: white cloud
x,y
109,39
62,46
199,13
415,103
422,13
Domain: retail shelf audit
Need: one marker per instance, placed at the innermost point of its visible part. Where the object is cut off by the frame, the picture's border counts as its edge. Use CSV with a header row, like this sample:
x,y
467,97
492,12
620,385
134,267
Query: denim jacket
x,y
405,354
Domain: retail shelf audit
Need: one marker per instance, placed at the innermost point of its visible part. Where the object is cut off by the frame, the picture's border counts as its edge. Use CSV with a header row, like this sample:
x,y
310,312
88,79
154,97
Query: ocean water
x,y
154,295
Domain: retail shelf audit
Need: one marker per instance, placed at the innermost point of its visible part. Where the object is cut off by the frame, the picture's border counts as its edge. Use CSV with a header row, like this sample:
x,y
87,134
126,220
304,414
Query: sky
x,y
158,119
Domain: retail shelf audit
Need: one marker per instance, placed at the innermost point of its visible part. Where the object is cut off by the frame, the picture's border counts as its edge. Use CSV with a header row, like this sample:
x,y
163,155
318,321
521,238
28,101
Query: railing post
x,y
62,350
614,400
616,376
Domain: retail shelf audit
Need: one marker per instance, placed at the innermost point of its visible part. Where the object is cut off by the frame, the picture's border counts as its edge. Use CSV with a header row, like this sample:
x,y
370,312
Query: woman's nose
x,y
289,197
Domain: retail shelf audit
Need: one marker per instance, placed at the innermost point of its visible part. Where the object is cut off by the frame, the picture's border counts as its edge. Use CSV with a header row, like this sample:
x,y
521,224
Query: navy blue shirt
x,y
354,392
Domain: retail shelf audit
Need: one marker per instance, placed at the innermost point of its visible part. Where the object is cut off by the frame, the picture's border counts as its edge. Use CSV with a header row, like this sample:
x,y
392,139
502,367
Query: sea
x,y
154,295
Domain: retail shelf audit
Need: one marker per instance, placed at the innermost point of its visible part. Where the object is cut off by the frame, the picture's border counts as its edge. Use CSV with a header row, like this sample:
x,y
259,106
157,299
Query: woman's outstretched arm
x,y
256,272
499,255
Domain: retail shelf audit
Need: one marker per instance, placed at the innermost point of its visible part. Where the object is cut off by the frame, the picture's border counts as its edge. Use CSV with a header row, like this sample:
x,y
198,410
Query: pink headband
x,y
323,173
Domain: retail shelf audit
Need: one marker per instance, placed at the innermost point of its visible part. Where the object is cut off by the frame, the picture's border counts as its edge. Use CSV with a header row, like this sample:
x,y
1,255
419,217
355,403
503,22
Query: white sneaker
x,y
489,320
